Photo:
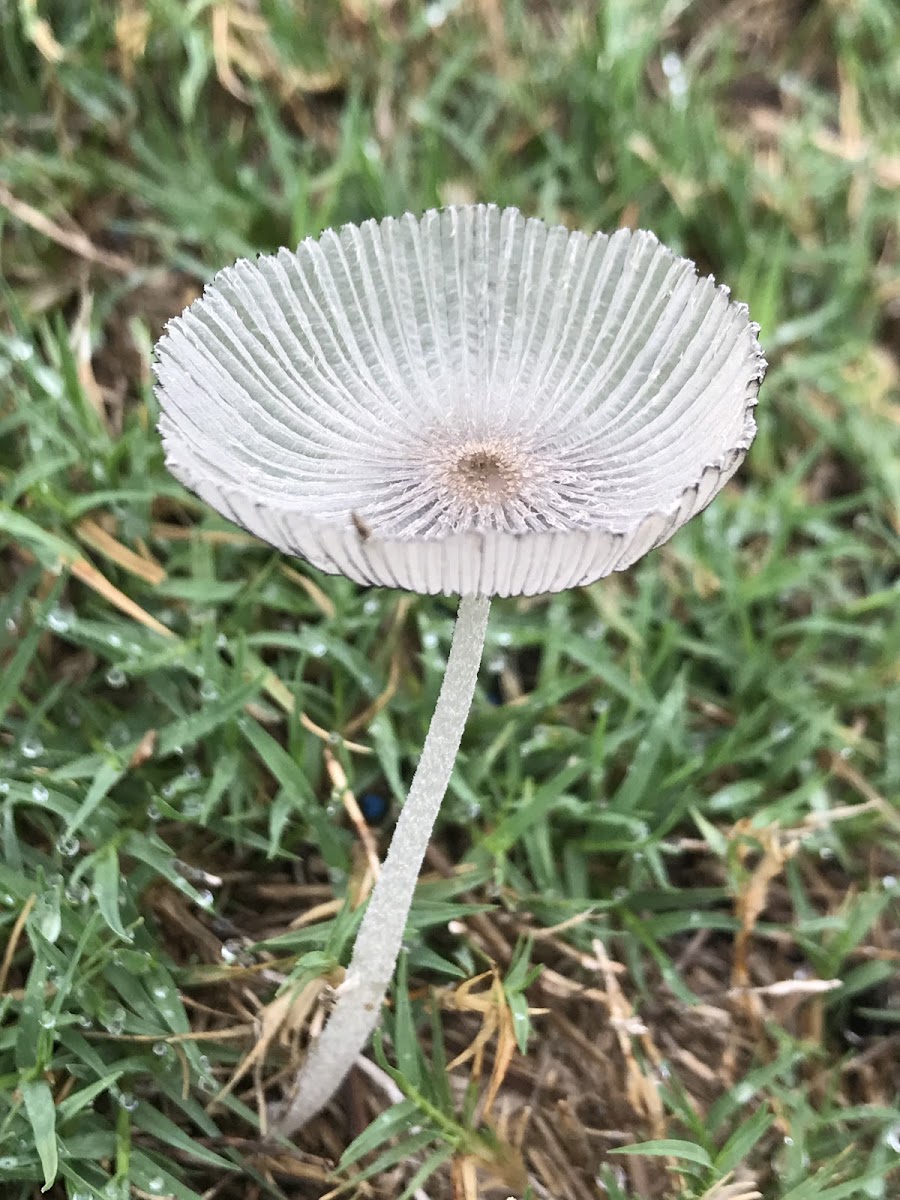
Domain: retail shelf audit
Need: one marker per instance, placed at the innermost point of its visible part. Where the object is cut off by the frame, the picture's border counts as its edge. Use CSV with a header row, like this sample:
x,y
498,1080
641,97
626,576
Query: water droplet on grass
x,y
59,620
116,677
231,951
31,747
40,794
115,1023
67,845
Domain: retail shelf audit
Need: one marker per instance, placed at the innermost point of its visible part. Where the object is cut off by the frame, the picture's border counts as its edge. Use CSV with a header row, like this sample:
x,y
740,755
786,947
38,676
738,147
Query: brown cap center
x,y
484,474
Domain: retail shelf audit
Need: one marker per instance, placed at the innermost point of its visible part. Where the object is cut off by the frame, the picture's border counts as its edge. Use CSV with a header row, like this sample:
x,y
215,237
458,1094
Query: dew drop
x,y
39,793
208,691
231,951
205,899
68,845
371,606
429,640
31,747
116,677
318,649
78,893
47,1020
161,1049
114,640
191,806
156,1185
115,1024
128,1101
59,620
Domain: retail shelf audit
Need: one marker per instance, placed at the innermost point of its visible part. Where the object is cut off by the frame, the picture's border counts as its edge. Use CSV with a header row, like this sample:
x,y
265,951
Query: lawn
x,y
656,949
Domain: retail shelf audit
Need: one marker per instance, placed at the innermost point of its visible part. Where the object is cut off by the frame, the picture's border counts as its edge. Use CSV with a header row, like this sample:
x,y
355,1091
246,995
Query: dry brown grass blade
x,y
144,750
364,833
315,593
40,32
505,1049
723,1190
168,531
285,1014
88,574
73,238
272,685
80,343
365,718
14,936
132,27
753,894
643,1092
222,54
95,536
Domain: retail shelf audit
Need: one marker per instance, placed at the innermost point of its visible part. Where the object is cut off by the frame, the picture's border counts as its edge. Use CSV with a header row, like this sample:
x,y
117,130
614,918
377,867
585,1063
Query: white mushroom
x,y
471,403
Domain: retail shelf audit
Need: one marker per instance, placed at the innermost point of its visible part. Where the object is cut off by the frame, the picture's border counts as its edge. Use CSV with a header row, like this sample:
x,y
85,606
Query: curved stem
x,y
380,936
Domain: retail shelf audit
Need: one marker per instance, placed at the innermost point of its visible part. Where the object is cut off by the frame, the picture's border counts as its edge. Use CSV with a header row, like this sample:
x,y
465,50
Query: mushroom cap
x,y
468,402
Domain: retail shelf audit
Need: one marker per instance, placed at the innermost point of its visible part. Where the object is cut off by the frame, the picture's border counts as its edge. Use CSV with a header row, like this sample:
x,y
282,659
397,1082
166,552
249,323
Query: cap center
x,y
484,474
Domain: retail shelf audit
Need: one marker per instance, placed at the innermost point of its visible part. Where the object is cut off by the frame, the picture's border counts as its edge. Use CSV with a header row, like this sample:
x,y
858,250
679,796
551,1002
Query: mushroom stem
x,y
380,936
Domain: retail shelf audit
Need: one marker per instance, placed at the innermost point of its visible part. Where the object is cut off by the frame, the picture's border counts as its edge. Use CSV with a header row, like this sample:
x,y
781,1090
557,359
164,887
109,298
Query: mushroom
x,y
468,403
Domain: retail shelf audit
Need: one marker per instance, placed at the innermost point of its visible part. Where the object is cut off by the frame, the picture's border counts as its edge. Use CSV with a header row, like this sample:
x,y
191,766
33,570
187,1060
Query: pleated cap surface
x,y
466,402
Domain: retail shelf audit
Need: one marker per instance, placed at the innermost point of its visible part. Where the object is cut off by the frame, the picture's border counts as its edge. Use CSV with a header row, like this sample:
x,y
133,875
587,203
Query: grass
x,y
655,953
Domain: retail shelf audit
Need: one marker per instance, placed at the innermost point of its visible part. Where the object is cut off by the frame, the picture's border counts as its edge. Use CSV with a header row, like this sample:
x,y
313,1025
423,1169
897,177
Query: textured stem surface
x,y
380,936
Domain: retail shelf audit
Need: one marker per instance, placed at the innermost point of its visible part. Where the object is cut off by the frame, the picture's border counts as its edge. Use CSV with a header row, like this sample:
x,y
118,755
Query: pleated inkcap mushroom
x,y
471,402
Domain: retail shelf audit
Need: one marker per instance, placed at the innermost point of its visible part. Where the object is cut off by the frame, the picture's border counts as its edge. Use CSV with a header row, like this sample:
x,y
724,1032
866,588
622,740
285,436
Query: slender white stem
x,y
380,936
